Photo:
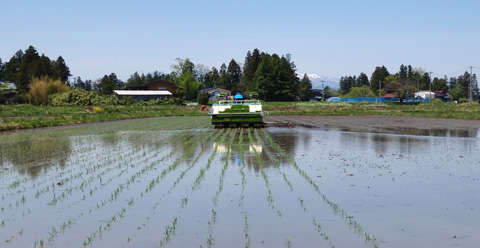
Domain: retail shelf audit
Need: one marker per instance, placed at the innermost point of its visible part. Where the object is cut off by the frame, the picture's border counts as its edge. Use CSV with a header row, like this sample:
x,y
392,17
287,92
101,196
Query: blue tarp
x,y
374,99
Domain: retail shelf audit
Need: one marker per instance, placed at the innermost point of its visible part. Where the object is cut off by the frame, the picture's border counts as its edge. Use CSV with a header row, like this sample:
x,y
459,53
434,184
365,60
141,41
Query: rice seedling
x,y
183,173
318,227
244,178
202,171
273,159
184,201
337,209
288,243
246,231
169,232
270,199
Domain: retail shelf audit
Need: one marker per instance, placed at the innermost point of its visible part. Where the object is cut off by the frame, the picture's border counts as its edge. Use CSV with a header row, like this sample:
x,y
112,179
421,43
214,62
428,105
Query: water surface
x,y
176,182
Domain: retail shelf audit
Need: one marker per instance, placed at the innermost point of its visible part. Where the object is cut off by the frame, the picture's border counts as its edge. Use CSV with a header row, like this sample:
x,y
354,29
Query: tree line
x,y
406,82
28,64
269,76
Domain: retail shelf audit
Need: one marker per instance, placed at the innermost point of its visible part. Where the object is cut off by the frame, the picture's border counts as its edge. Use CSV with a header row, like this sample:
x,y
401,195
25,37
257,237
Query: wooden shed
x,y
160,85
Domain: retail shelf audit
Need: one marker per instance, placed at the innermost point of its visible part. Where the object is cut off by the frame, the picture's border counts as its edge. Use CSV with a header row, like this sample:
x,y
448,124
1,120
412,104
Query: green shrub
x,y
437,101
203,98
76,97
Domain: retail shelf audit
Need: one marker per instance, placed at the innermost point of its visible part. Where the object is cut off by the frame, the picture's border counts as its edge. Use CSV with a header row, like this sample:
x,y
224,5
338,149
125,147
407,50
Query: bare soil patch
x,y
372,122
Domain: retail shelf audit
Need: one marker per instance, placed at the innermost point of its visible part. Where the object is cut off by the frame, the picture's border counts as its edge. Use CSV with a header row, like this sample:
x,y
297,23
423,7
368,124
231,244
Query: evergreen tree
x,y
78,83
289,81
234,74
109,83
2,70
89,85
223,77
46,67
28,68
275,79
24,66
264,78
135,80
378,76
475,88
362,80
440,84
212,78
403,71
410,72
61,70
346,83
305,88
252,60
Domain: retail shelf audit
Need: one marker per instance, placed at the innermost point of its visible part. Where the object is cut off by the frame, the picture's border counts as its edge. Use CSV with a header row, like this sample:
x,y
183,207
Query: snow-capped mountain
x,y
317,81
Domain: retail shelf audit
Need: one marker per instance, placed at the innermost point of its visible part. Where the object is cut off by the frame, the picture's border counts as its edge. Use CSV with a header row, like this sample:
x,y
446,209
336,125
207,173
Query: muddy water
x,y
169,183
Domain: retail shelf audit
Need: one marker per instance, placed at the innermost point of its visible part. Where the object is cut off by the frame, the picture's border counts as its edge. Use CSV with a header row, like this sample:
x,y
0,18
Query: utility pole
x,y
470,86
430,93
380,91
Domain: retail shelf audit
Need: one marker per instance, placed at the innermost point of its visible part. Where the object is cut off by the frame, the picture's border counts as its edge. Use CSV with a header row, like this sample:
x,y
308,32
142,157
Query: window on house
x,y
162,88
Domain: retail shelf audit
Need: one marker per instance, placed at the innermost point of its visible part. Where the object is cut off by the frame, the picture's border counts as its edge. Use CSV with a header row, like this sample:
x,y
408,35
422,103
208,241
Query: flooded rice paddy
x,y
176,182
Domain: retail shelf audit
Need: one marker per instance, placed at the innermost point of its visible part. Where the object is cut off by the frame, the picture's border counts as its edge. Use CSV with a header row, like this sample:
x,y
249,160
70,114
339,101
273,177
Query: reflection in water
x,y
446,132
222,147
30,156
144,178
258,145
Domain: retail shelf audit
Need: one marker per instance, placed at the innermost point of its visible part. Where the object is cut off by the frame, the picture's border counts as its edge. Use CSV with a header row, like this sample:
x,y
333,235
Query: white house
x,y
425,94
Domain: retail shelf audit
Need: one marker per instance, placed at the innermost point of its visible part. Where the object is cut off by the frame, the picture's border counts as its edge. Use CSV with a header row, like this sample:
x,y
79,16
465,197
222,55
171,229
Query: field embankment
x,y
27,116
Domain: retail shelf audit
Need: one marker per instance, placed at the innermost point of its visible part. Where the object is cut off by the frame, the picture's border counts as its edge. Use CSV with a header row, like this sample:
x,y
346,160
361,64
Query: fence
x,y
375,99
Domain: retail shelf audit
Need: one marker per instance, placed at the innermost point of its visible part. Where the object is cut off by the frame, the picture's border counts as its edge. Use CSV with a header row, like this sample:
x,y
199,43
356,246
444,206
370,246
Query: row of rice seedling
x,y
275,160
219,135
149,190
211,223
154,181
206,141
370,239
172,166
55,197
69,190
270,199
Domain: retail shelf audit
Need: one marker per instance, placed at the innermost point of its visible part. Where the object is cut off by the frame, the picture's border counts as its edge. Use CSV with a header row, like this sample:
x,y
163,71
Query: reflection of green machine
x,y
237,113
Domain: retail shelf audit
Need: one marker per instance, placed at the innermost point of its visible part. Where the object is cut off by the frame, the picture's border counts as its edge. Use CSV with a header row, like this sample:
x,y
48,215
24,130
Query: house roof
x,y
143,92
392,95
153,82
213,88
8,85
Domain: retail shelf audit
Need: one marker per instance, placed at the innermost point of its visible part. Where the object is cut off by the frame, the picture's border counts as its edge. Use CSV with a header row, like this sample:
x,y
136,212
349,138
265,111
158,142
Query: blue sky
x,y
327,38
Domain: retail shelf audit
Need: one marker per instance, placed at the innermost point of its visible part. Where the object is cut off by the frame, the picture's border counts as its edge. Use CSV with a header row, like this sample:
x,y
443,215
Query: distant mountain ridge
x,y
316,80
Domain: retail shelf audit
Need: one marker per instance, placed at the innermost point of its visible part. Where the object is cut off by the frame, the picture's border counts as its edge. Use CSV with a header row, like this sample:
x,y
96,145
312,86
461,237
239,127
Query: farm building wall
x,y
157,85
